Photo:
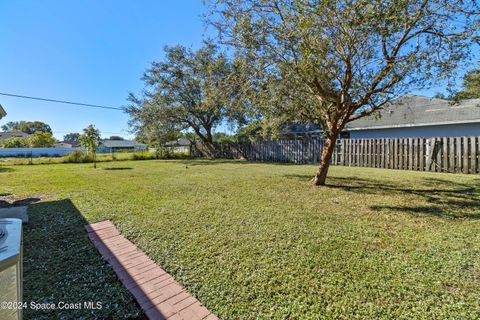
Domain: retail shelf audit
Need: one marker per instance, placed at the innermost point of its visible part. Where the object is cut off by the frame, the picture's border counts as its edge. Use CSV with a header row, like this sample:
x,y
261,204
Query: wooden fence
x,y
444,154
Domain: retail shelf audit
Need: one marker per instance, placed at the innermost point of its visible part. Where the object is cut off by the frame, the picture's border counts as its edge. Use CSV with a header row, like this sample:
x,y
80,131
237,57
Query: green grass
x,y
255,240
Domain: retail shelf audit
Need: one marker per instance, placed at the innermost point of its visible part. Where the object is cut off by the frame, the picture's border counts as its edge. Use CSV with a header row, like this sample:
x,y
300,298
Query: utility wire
x,y
60,101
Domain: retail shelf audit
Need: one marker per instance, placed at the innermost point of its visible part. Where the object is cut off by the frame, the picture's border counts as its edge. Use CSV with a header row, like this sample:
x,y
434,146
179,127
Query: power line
x,y
60,101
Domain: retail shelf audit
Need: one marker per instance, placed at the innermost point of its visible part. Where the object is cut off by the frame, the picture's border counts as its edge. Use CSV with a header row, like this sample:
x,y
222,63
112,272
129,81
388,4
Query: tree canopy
x,y
41,139
471,85
188,91
90,140
74,136
27,126
38,139
116,138
332,62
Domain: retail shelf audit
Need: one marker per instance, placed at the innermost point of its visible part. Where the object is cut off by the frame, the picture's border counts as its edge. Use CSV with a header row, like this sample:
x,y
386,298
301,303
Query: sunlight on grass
x,y
255,240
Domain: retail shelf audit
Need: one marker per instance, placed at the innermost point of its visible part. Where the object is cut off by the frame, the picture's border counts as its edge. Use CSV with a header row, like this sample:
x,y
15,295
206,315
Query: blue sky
x,y
88,51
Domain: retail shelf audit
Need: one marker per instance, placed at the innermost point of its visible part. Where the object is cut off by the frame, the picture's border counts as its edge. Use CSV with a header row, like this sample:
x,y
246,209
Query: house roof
x,y
3,113
179,142
72,142
415,111
10,134
120,143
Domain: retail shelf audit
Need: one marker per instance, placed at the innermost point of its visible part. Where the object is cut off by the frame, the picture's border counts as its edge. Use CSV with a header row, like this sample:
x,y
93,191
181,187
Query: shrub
x,y
76,156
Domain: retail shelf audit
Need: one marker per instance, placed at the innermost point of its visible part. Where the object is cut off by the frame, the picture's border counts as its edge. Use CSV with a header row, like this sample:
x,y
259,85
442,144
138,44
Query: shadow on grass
x,y
5,169
444,198
207,162
19,202
62,265
118,168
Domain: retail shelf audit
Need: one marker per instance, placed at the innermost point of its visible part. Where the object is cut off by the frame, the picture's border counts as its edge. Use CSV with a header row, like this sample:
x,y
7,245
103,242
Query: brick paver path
x,y
159,295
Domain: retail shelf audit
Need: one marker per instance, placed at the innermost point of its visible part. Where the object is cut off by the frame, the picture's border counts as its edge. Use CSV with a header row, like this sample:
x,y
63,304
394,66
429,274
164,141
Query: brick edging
x,y
157,292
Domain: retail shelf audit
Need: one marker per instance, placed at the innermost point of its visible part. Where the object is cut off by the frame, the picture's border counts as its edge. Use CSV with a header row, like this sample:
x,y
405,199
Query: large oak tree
x,y
333,61
187,91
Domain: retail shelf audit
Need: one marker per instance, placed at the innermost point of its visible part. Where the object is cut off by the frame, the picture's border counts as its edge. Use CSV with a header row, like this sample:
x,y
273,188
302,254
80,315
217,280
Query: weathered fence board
x,y
442,154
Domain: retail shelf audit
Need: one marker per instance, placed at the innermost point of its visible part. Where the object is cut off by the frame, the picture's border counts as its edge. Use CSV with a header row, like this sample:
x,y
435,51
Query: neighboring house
x,y
3,113
180,145
74,144
109,146
417,116
6,135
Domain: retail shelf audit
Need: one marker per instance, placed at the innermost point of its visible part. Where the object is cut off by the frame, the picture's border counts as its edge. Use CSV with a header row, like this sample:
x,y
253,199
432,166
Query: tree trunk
x,y
326,156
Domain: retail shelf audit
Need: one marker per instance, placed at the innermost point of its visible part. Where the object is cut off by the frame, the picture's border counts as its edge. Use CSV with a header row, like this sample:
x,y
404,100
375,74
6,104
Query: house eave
x,y
3,113
413,125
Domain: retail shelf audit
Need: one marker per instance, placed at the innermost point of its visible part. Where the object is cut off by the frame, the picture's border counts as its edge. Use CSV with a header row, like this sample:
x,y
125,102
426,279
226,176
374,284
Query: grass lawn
x,y
255,240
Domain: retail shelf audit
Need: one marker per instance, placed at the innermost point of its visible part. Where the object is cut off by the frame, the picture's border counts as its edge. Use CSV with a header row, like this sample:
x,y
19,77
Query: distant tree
x,y
27,126
116,138
440,95
152,131
74,136
332,62
15,142
223,137
40,139
471,86
255,131
90,140
190,90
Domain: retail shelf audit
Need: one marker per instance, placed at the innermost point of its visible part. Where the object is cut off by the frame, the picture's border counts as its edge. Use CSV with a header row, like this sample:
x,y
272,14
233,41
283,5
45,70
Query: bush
x,y
143,156
76,156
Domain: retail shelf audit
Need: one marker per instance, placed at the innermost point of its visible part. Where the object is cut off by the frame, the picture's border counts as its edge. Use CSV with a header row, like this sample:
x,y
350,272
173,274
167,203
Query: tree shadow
x,y
61,264
117,168
6,169
442,198
19,202
207,162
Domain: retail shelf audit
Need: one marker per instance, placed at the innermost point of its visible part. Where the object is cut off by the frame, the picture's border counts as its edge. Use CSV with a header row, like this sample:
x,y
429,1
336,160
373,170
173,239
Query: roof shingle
x,y
411,111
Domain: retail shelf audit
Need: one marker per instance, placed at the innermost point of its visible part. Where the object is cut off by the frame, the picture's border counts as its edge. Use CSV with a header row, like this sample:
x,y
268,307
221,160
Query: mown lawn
x,y
255,241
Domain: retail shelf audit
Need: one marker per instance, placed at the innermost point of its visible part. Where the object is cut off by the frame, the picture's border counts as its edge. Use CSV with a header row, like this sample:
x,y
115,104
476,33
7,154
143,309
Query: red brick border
x,y
158,294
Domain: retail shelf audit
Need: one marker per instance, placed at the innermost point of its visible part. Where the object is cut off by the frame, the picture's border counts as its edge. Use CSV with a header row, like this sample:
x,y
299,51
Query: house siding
x,y
450,130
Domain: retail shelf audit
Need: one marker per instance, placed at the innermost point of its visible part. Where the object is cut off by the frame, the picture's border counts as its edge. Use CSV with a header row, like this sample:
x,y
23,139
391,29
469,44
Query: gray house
x,y
109,146
3,113
417,116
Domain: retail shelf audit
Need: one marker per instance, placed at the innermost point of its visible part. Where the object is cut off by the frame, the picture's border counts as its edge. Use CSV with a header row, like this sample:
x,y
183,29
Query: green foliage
x,y
41,139
116,138
29,127
15,142
90,139
471,85
76,156
332,62
223,137
253,241
190,90
72,137
255,131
